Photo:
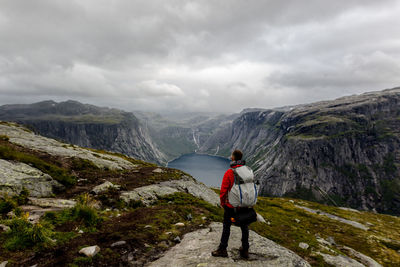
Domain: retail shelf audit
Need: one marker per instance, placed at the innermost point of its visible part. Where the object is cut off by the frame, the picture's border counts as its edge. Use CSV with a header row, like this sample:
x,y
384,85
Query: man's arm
x,y
226,186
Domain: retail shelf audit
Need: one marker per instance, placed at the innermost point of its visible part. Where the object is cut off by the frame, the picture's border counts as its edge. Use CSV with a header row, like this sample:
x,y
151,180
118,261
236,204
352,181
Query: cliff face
x,y
341,152
87,126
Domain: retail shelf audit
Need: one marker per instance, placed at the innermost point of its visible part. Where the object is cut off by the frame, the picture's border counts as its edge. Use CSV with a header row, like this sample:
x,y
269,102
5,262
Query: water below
x,y
205,168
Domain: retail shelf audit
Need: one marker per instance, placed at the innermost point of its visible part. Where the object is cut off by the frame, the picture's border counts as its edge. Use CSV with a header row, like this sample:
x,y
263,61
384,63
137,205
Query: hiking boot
x,y
220,252
244,253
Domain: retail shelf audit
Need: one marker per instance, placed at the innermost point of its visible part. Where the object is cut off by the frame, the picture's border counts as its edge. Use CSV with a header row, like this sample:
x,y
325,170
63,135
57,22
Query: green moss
x,y
80,164
57,173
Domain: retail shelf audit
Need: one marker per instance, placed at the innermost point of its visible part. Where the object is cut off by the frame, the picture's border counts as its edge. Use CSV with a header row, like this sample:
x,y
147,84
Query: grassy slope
x,y
284,230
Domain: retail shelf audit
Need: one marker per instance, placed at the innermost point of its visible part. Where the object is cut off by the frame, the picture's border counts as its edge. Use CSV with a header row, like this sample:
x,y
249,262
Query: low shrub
x,y
23,234
83,213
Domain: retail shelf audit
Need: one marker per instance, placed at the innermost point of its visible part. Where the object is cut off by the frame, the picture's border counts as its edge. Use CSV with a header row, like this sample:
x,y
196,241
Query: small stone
x,y
130,256
158,170
147,245
260,218
3,264
80,232
303,245
204,218
119,243
180,224
90,251
148,226
291,201
331,240
163,244
168,233
189,217
297,220
118,215
177,239
269,223
4,227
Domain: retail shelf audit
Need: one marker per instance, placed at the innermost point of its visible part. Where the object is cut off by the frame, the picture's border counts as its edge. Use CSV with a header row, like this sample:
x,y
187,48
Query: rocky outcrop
x,y
87,126
340,152
14,176
23,137
149,194
195,250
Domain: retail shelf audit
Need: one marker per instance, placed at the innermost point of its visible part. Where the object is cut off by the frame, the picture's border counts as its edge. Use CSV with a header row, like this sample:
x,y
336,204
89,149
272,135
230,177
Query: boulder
x,y
90,251
195,250
4,264
14,176
104,187
147,194
192,186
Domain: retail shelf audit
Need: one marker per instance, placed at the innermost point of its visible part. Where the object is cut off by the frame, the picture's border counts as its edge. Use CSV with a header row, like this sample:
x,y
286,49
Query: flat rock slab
x,y
52,202
336,218
14,176
150,193
195,250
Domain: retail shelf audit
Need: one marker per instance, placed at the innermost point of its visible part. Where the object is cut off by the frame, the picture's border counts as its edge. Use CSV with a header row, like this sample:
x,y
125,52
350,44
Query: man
x,y
227,183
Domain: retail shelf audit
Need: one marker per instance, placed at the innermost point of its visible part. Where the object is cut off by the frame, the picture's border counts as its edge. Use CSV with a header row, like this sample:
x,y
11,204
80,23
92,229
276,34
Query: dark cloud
x,y
196,55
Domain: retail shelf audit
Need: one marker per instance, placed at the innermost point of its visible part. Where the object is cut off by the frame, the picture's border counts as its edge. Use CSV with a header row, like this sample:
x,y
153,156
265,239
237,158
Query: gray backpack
x,y
244,192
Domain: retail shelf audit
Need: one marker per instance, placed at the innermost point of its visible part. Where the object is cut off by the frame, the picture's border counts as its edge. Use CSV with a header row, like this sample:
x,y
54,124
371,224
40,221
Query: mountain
x,y
341,152
64,205
179,134
88,126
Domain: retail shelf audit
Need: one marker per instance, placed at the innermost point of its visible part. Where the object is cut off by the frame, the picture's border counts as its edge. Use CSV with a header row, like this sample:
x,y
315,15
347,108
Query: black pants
x,y
229,212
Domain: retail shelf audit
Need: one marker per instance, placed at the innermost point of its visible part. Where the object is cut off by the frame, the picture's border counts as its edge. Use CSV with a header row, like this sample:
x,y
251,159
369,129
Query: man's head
x,y
236,155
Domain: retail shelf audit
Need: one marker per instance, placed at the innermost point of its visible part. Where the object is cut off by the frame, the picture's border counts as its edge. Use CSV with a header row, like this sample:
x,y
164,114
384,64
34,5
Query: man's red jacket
x,y
226,186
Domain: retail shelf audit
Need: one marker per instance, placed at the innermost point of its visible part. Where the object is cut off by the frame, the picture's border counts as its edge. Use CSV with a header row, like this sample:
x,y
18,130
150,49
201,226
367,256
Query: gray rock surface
x,y
147,194
150,193
4,264
336,218
340,260
90,251
192,186
362,258
52,202
14,176
195,250
104,187
21,136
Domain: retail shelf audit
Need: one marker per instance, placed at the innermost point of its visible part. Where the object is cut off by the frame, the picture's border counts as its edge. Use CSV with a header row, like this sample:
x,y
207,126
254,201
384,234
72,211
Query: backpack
x,y
244,191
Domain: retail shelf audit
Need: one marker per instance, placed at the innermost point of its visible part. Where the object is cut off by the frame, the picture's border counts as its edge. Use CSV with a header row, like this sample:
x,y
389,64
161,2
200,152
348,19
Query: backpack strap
x,y
238,180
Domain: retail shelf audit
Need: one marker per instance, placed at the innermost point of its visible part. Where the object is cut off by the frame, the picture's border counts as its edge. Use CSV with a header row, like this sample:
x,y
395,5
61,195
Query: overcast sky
x,y
200,55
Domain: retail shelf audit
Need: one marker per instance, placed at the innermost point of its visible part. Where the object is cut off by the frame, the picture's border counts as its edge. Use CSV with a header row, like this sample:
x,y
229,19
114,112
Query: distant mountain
x,y
342,152
88,126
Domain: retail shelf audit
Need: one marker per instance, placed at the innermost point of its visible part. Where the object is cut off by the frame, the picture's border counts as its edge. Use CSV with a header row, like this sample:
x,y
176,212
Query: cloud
x,y
196,55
